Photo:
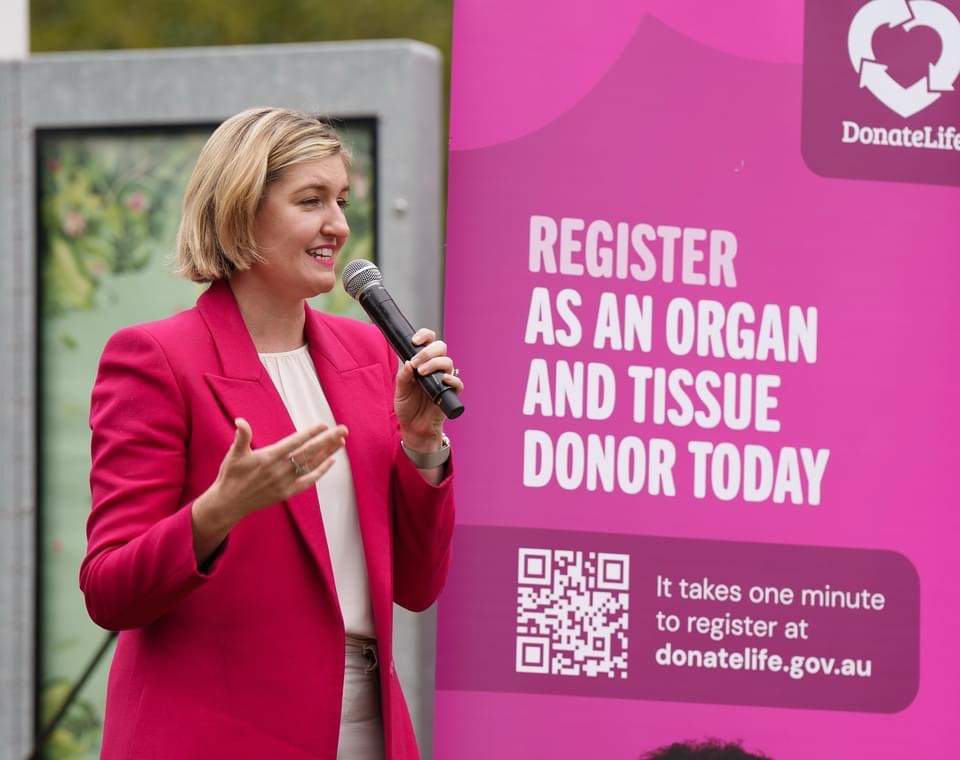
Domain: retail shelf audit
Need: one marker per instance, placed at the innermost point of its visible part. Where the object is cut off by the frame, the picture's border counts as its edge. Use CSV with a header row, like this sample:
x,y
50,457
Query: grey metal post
x,y
17,465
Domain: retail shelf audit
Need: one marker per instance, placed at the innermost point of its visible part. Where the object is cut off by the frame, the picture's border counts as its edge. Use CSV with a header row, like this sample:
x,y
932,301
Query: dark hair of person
x,y
711,749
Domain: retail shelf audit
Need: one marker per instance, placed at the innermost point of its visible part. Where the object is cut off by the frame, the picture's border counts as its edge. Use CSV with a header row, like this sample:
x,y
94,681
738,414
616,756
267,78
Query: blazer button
x,y
392,671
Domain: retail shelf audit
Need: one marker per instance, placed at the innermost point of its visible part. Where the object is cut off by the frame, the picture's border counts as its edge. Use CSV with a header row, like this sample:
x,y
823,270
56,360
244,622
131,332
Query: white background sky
x,y
14,20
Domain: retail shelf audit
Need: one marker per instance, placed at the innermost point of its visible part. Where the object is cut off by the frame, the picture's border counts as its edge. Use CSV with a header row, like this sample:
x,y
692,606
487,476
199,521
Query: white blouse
x,y
296,380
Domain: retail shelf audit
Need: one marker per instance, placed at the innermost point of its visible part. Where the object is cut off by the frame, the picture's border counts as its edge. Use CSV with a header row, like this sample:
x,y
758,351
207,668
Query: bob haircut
x,y
243,155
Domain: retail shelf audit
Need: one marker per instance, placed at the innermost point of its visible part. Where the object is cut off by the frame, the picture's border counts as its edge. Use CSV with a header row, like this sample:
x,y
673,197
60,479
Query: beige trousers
x,y
361,725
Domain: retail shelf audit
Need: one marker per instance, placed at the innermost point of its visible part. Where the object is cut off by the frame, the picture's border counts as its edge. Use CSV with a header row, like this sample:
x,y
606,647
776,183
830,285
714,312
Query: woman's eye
x,y
343,203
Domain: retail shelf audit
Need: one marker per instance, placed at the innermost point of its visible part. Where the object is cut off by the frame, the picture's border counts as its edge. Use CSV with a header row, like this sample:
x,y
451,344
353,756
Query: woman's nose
x,y
336,225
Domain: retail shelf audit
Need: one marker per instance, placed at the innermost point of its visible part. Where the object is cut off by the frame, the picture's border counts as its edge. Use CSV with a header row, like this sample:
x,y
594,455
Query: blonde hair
x,y
243,155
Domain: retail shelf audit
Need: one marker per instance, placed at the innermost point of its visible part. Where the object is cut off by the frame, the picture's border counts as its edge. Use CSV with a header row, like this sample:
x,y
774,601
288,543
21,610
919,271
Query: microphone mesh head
x,y
358,275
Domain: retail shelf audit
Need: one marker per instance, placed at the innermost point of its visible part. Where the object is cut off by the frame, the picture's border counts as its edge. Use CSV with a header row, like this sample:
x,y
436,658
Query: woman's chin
x,y
319,286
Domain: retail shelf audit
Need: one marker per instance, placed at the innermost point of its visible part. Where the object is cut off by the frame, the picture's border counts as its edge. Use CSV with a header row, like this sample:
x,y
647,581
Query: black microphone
x,y
361,280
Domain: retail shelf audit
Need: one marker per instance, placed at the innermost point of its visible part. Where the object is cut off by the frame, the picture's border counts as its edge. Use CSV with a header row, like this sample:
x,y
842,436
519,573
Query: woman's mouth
x,y
322,255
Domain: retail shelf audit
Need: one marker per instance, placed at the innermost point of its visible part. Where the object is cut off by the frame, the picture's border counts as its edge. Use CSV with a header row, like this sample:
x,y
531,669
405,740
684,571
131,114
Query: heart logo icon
x,y
908,14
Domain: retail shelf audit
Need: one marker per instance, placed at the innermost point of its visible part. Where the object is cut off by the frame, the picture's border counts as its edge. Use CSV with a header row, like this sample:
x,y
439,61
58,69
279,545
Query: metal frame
x,y
397,83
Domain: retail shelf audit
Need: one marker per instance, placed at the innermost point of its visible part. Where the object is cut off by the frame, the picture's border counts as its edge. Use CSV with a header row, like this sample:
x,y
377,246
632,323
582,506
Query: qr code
x,y
572,612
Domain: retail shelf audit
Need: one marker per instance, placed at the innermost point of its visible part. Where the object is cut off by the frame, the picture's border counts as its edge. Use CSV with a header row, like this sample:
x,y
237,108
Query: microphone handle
x,y
380,307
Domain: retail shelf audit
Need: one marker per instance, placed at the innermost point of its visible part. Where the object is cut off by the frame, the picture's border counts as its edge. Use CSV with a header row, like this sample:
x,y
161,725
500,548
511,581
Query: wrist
x,y
210,525
422,442
427,459
210,513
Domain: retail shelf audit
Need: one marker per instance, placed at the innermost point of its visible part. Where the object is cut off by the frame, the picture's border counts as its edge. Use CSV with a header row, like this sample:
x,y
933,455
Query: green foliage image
x,y
105,202
78,732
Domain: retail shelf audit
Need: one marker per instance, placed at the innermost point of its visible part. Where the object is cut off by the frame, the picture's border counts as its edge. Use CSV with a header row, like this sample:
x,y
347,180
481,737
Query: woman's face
x,y
300,227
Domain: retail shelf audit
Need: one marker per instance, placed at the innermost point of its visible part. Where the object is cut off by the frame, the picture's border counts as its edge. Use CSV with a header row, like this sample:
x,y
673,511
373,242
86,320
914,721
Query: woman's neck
x,y
274,324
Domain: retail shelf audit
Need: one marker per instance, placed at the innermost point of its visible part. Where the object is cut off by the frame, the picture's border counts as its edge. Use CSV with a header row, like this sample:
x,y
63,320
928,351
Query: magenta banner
x,y
702,284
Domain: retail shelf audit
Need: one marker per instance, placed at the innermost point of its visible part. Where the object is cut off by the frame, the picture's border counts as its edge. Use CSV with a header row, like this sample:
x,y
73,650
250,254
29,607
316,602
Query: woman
x,y
265,483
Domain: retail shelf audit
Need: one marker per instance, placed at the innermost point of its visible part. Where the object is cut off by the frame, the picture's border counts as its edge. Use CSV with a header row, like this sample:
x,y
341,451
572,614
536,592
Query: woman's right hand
x,y
250,479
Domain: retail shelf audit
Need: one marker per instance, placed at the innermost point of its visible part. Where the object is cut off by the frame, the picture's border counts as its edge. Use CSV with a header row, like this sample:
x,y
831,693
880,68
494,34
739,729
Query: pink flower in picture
x,y
136,201
359,185
74,223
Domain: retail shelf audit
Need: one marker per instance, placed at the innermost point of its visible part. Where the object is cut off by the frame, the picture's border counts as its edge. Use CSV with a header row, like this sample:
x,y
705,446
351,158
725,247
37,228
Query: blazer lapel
x,y
360,401
246,390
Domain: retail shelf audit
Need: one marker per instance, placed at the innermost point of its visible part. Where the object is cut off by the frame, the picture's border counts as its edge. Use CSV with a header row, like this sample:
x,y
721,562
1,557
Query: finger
x,y
435,349
405,375
453,381
335,436
423,336
437,364
318,472
322,446
241,438
285,446
308,479
331,442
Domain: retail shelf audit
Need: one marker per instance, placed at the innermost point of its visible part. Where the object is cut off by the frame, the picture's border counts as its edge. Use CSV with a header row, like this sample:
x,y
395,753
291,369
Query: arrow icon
x,y
906,101
944,72
939,79
869,18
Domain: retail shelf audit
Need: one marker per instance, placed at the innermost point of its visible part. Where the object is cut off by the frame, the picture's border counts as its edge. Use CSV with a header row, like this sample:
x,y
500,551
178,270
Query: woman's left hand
x,y
421,421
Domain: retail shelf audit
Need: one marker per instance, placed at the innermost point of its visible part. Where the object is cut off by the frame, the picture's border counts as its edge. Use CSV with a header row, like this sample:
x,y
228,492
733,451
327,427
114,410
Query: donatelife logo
x,y
879,97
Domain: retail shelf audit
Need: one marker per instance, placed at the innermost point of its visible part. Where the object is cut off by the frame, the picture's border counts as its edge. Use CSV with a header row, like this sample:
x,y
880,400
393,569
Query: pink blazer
x,y
246,659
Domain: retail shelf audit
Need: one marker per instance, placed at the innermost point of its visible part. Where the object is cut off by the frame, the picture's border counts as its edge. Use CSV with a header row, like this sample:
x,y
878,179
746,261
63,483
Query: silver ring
x,y
455,372
299,469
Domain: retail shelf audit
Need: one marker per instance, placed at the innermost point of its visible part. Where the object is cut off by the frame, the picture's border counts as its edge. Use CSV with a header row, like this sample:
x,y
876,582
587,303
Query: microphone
x,y
361,280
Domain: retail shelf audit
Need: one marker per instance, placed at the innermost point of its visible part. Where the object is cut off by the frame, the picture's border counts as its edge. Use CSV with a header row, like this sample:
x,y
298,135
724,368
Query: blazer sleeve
x,y
139,561
423,519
